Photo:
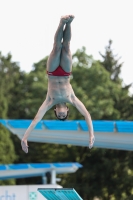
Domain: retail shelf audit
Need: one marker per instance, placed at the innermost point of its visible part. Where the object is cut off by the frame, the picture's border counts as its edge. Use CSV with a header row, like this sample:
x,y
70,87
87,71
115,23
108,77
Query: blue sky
x,y
28,27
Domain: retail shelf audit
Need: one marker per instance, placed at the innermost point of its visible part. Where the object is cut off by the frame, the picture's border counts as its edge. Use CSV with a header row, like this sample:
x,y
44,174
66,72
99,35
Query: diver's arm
x,y
81,108
41,112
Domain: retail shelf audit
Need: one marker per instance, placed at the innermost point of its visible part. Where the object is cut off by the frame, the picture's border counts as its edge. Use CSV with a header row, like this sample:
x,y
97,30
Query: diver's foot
x,y
65,19
71,17
91,142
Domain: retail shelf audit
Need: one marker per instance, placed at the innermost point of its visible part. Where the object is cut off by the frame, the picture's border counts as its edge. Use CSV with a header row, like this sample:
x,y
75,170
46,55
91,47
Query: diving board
x,y
59,194
108,134
125,127
26,170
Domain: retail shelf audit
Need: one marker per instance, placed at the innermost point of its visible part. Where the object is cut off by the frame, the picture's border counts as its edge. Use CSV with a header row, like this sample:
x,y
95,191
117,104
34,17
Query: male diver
x,y
60,92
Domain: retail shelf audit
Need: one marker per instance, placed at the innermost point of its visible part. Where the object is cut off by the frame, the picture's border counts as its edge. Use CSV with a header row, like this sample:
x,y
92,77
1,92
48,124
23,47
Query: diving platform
x,y
25,170
108,134
59,194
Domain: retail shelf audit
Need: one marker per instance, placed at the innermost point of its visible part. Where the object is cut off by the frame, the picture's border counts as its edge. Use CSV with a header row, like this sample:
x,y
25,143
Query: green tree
x,y
36,88
122,102
97,90
7,152
111,62
11,79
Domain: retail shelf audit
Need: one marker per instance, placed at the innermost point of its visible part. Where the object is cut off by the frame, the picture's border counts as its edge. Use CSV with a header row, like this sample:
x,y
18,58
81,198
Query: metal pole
x,y
53,176
44,179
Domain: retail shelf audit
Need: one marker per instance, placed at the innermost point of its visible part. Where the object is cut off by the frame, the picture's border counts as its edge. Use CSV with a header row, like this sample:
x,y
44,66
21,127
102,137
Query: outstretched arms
x,y
81,108
41,112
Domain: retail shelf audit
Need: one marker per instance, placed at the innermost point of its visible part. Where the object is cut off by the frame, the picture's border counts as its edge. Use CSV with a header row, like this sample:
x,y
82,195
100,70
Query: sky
x,y
27,29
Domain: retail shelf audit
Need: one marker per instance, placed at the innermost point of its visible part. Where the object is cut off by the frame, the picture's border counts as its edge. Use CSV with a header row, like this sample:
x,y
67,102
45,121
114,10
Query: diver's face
x,y
61,112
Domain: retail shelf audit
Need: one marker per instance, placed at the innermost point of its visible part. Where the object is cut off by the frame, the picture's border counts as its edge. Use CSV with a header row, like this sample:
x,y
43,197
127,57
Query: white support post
x,y
53,176
44,179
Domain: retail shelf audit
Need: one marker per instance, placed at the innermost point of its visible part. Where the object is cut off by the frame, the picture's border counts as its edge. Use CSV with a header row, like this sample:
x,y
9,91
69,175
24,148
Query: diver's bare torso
x,y
60,90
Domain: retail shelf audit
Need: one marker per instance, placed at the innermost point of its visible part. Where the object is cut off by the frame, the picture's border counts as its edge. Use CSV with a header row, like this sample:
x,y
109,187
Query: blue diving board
x,y
49,124
39,166
99,126
20,124
59,194
61,125
3,122
25,170
71,125
3,167
108,134
124,126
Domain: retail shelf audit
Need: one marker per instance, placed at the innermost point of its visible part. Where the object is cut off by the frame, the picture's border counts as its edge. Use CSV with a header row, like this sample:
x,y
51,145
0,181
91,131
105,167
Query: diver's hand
x,y
24,145
91,142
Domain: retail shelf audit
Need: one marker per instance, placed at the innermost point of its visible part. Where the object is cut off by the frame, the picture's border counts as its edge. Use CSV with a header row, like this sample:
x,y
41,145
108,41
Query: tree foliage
x,y
8,73
111,62
122,102
7,152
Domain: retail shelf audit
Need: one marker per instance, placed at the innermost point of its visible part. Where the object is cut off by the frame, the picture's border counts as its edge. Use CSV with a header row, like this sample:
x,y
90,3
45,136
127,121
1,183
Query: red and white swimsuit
x,y
59,72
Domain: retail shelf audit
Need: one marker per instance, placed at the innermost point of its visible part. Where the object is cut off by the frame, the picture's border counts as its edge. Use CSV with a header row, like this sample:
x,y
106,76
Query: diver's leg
x,y
54,58
66,57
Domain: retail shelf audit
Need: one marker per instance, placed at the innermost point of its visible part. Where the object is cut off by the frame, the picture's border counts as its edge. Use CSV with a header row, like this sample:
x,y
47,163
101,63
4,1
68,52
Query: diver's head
x,y
61,111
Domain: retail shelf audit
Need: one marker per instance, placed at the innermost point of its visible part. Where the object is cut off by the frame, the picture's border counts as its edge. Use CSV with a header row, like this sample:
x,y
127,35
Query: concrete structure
x,y
23,192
